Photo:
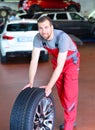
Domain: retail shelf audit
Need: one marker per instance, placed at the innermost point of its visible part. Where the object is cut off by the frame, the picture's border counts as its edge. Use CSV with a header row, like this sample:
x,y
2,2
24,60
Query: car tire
x,y
4,13
44,57
91,20
35,8
3,59
72,8
33,111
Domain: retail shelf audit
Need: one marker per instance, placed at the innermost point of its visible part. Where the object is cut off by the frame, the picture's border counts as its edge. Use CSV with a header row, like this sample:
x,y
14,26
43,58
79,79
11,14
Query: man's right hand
x,y
26,86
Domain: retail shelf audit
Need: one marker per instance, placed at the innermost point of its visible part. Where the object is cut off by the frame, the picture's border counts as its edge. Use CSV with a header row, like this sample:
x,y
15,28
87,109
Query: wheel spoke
x,y
44,115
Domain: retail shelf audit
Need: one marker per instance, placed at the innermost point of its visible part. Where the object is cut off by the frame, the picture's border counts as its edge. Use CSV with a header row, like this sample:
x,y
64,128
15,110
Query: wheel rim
x,y
3,13
44,115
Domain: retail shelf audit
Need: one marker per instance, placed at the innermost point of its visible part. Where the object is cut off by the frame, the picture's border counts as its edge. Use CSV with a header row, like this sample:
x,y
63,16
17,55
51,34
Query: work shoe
x,y
62,126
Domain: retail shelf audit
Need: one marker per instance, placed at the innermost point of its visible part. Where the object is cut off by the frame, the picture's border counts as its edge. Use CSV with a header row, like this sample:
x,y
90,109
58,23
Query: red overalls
x,y
67,86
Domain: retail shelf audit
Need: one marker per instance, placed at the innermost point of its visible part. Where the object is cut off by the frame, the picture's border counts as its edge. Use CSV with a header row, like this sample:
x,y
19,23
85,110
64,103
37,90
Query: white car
x,y
17,39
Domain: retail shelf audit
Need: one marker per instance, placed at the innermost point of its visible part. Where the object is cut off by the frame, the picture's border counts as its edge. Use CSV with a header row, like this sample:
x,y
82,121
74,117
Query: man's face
x,y
45,29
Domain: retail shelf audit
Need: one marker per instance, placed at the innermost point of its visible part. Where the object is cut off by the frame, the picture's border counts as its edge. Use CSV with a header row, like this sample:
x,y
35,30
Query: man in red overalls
x,y
65,65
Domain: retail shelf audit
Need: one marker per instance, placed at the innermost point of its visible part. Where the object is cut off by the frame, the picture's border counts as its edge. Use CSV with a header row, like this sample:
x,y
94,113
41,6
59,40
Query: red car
x,y
38,5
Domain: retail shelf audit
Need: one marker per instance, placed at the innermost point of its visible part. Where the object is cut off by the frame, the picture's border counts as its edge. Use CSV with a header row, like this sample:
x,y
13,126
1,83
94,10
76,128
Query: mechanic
x,y
65,64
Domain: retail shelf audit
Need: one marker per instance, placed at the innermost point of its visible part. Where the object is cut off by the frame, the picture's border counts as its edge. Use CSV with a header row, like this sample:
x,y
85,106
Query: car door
x,y
60,21
64,22
81,26
72,23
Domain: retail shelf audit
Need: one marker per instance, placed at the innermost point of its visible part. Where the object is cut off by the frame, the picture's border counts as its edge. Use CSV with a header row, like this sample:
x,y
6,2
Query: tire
x,y
3,59
44,57
35,8
33,111
91,20
72,8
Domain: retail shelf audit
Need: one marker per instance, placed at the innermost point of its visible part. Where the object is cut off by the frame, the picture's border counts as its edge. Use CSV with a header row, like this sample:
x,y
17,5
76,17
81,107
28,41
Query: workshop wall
x,y
87,6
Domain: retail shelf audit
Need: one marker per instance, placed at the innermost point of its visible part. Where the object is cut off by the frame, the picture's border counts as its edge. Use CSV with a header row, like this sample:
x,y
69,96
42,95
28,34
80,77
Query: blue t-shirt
x,y
61,40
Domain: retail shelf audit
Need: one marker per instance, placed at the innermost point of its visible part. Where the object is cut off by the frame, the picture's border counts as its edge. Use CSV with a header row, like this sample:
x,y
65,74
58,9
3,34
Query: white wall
x,y
13,5
86,6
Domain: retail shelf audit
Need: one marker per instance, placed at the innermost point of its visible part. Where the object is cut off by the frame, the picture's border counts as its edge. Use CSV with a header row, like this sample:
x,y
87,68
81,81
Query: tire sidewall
x,y
31,109
24,109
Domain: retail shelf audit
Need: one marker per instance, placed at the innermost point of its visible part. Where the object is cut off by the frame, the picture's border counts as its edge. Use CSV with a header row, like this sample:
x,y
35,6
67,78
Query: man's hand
x,y
26,86
48,90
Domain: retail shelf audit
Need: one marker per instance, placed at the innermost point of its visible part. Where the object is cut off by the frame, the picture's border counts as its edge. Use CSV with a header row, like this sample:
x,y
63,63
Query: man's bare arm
x,y
33,67
33,64
60,64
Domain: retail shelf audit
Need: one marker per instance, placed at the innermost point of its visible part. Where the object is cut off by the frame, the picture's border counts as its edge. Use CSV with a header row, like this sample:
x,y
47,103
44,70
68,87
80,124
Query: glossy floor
x,y
14,75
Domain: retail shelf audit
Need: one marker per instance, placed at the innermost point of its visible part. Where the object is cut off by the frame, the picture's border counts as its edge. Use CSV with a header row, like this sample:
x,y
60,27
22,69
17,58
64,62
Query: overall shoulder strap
x,y
57,40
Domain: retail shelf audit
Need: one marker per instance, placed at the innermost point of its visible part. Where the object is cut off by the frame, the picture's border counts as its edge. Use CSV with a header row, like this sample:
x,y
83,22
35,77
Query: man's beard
x,y
48,37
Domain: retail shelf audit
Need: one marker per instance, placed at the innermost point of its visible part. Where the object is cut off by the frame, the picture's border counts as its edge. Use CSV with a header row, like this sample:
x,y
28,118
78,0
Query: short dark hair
x,y
43,18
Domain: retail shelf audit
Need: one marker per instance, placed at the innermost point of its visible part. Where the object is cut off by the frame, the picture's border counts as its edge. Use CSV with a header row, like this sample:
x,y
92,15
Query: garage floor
x,y
14,75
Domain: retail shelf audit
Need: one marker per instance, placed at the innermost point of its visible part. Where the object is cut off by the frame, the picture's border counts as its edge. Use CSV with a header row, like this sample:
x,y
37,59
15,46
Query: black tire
x,y
33,111
91,20
72,8
3,59
44,57
35,8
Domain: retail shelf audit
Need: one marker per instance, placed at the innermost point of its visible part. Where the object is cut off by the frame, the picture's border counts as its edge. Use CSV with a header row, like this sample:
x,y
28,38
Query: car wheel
x,y
72,9
91,20
3,59
33,111
44,57
3,13
35,8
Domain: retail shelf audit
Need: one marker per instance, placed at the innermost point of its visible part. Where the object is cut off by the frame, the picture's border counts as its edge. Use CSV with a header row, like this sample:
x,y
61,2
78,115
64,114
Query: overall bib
x,y
67,85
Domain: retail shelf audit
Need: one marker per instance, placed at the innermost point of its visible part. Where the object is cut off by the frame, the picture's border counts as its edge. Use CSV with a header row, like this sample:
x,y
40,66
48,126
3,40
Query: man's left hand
x,y
48,90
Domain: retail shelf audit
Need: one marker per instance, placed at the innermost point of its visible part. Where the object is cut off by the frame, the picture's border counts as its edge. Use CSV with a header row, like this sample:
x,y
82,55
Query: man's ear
x,y
52,27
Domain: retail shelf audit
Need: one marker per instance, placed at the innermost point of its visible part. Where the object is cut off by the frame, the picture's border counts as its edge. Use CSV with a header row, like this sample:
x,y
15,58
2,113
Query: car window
x,y
20,11
22,27
62,16
75,16
51,16
36,16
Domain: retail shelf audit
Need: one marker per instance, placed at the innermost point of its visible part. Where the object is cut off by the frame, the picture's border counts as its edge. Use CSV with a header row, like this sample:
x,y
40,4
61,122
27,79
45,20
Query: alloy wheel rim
x,y
44,115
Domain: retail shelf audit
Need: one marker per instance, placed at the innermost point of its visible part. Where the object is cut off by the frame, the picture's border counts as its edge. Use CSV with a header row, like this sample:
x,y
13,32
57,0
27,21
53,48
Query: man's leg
x,y
67,86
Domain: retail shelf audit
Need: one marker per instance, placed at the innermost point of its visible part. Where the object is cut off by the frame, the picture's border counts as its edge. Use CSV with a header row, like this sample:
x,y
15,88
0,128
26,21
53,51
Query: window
x,y
75,16
36,16
61,16
22,27
51,16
